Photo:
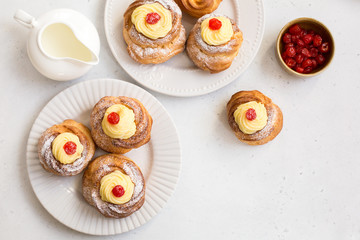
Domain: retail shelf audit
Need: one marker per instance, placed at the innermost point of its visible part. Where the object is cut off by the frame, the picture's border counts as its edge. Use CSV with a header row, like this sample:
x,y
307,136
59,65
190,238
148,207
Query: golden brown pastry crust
x,y
153,51
143,123
274,123
48,160
213,58
198,8
107,164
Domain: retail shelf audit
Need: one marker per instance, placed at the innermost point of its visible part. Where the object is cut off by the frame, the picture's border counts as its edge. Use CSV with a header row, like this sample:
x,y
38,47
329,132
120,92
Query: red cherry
x,y
324,47
314,63
294,38
290,51
250,114
307,39
286,38
113,118
215,24
295,29
308,69
299,58
300,43
152,18
299,69
289,45
314,52
317,40
305,52
320,59
290,62
70,148
283,55
118,191
306,63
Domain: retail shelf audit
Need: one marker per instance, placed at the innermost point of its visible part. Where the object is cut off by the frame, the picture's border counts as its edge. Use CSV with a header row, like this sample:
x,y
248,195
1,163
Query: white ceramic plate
x,y
159,159
179,76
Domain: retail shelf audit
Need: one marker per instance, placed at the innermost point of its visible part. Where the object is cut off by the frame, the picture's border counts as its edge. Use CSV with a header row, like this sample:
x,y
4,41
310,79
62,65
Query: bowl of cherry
x,y
305,47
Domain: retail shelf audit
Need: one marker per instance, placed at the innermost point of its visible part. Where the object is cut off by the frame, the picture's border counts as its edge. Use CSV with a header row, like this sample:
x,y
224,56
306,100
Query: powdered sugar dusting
x,y
105,165
50,163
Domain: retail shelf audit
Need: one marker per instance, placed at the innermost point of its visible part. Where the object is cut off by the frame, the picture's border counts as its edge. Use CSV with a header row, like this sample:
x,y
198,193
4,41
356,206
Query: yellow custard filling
x,y
217,37
58,148
247,126
108,182
126,126
153,31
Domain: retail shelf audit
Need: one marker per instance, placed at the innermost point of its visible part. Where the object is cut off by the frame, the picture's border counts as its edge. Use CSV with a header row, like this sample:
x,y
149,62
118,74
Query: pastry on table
x,y
253,117
214,42
66,149
119,124
198,8
114,185
153,31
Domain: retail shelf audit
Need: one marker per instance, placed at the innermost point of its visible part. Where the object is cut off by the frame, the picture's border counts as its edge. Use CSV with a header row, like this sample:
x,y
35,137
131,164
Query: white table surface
x,y
303,185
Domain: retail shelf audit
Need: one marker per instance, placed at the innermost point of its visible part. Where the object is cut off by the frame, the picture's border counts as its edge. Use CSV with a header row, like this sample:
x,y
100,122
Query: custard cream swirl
x,y
217,37
153,31
126,126
247,126
109,181
58,148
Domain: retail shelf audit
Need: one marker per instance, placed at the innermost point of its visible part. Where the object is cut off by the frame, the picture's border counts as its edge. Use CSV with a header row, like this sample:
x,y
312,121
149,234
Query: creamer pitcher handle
x,y
24,18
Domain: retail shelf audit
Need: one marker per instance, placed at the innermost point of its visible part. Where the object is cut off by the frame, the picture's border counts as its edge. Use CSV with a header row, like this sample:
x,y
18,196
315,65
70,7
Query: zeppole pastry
x,y
66,149
214,42
254,118
198,8
153,30
119,124
114,185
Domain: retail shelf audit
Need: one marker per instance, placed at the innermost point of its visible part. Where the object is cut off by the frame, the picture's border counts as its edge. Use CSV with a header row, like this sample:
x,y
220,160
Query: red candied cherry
x,y
324,47
317,40
314,52
295,29
250,114
286,38
303,33
305,52
290,51
152,18
118,191
299,58
306,63
299,69
70,148
300,43
215,24
113,118
308,38
320,59
289,45
314,63
308,69
290,62
294,38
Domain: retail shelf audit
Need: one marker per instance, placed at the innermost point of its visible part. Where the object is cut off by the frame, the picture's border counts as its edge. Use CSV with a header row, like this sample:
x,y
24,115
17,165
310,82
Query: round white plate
x,y
159,159
179,76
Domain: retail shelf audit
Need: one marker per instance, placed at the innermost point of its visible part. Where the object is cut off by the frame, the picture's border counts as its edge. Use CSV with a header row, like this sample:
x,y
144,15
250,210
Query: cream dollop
x,y
126,126
153,31
217,37
58,148
109,181
247,126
